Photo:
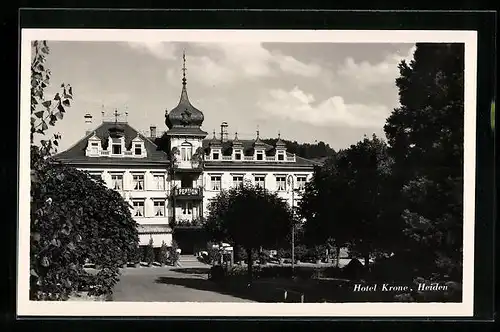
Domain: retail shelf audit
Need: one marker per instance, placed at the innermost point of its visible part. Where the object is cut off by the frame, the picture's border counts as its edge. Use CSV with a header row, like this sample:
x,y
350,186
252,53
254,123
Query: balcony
x,y
188,166
188,193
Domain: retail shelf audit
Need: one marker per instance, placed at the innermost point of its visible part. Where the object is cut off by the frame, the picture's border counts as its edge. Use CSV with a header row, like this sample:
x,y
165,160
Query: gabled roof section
x,y
76,153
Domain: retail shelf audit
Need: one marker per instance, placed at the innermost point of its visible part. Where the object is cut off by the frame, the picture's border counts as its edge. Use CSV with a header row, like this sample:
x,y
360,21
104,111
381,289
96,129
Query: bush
x,y
73,219
137,255
217,273
150,253
173,254
300,252
163,254
354,270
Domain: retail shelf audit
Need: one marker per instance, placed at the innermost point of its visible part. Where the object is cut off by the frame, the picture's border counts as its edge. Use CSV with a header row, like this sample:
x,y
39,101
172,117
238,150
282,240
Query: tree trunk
x,y
250,262
337,258
367,261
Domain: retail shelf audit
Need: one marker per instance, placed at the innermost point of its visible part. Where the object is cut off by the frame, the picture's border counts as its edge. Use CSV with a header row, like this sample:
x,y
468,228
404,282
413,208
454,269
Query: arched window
x,y
186,151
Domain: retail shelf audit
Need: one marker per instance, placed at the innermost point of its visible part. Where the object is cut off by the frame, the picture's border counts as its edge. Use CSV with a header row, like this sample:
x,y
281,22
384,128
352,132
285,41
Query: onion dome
x,y
184,114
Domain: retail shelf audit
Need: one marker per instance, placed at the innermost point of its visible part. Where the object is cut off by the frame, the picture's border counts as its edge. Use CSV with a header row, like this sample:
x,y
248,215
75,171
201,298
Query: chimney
x,y
88,124
152,131
223,132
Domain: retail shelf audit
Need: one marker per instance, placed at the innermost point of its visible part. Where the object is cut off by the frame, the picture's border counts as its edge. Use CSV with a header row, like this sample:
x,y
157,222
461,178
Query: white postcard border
x,y
172,309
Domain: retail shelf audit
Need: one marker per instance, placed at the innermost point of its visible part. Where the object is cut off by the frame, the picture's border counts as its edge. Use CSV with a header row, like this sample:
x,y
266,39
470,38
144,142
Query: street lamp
x,y
291,186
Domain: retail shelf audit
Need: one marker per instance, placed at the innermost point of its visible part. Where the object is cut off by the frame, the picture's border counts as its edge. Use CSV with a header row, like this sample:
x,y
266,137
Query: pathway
x,y
187,283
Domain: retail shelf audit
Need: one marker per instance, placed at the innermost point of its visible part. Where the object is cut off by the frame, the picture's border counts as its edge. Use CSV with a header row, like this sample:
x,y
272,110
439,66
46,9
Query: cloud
x,y
223,63
164,51
291,65
366,74
296,105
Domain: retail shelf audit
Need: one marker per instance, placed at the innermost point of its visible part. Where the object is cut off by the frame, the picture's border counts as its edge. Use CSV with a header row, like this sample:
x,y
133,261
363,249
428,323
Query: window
x,y
260,181
94,148
215,182
260,155
138,180
159,182
138,208
281,156
117,149
301,182
237,155
237,180
215,156
137,149
281,183
159,207
186,153
117,181
187,208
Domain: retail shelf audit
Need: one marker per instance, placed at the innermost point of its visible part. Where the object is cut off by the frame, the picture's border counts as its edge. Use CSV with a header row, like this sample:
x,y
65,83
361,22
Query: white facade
x,y
273,180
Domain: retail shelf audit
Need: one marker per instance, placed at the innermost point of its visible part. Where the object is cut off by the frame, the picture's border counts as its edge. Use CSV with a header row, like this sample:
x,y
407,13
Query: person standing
x,y
177,257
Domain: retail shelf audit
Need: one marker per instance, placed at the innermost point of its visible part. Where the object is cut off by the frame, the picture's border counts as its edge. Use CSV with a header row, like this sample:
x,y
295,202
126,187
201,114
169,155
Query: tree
x,y
321,208
425,135
73,217
367,169
249,216
346,201
45,112
305,150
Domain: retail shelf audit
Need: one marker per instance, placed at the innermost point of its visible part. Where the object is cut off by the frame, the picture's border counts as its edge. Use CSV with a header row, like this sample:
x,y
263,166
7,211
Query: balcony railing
x,y
186,223
187,192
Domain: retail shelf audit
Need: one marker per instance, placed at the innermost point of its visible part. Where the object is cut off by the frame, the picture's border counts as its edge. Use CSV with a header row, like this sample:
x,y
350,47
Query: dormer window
x,y
94,146
281,156
260,155
216,155
137,149
237,155
117,148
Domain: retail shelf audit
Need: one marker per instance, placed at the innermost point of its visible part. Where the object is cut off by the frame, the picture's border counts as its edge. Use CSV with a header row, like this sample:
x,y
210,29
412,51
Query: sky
x,y
330,92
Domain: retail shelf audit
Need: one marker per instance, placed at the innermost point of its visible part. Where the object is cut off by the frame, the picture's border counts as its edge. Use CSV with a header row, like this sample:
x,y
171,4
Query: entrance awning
x,y
154,229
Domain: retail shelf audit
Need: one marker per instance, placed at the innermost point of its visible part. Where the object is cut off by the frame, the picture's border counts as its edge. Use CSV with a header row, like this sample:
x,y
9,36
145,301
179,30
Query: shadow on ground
x,y
206,285
192,270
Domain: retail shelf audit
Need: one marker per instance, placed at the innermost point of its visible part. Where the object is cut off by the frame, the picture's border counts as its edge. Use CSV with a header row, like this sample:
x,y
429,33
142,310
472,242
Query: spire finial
x,y
258,132
279,134
184,68
116,115
214,135
236,136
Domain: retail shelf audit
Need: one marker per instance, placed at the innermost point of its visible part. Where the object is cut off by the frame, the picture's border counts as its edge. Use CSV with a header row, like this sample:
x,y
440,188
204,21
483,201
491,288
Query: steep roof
x,y
76,153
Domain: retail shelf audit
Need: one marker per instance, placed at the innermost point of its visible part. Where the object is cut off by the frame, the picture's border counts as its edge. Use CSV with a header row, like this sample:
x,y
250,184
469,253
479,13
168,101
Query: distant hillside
x,y
317,151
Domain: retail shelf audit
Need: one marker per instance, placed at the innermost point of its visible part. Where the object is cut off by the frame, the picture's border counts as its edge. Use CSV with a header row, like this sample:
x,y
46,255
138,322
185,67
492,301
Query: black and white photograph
x,y
247,173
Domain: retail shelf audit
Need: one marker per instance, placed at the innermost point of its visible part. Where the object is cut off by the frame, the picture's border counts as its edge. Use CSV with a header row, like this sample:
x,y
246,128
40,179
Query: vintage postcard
x,y
247,173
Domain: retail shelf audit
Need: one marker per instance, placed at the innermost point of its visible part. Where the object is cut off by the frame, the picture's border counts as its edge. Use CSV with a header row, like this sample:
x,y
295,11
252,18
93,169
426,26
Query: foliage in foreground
x,y
75,219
